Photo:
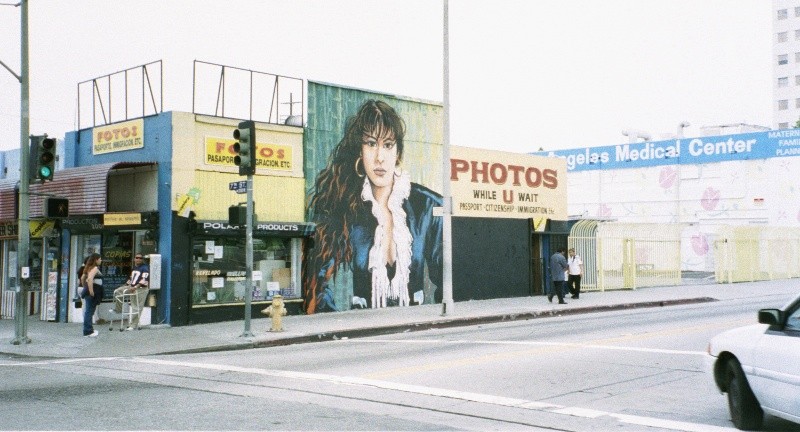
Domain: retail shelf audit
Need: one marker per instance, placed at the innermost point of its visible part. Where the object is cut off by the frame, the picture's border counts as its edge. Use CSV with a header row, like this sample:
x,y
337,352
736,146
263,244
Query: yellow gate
x,y
753,253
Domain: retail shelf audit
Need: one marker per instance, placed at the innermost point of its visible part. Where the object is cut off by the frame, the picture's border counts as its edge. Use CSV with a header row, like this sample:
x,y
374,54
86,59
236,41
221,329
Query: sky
x,y
524,75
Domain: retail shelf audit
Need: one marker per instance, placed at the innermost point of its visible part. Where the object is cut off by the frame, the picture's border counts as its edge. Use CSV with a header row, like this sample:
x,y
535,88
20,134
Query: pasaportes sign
x,y
487,183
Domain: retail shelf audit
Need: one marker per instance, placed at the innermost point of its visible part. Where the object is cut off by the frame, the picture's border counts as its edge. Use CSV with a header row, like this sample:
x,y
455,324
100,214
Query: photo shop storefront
x,y
117,237
219,266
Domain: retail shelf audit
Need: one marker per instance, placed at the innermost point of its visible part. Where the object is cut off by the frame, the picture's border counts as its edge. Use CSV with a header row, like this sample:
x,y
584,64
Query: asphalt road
x,y
622,371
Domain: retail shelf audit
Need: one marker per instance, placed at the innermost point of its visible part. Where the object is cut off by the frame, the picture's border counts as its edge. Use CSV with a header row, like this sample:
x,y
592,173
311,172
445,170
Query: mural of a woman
x,y
371,220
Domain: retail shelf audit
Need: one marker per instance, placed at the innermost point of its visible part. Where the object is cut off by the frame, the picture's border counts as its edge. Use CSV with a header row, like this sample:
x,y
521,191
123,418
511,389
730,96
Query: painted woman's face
x,y
379,152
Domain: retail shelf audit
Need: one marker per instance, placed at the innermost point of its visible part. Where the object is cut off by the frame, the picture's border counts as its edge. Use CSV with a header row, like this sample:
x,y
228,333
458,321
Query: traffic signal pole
x,y
248,291
21,304
245,159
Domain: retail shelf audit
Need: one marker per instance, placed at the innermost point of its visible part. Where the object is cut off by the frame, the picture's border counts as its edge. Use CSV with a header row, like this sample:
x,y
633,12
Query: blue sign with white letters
x,y
239,186
683,151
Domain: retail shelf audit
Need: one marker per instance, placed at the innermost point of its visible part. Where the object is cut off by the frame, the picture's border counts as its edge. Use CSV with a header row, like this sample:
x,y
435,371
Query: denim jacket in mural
x,y
426,250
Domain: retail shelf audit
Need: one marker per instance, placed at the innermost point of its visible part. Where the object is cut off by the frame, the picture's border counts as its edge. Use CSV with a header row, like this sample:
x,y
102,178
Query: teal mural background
x,y
329,107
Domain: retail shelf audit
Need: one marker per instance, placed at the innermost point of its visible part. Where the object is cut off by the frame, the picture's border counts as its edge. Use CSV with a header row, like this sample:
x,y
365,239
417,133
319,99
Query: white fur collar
x,y
382,287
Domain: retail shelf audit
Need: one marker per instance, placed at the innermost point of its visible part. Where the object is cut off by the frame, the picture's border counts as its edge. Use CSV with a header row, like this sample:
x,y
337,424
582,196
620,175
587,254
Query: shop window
x,y
117,256
219,270
10,280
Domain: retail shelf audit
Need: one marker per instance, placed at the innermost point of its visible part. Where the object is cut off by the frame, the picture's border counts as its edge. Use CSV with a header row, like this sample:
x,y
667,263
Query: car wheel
x,y
746,413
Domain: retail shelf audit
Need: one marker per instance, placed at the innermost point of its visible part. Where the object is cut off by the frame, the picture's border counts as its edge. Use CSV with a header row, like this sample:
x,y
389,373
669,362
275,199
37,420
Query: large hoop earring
x,y
356,168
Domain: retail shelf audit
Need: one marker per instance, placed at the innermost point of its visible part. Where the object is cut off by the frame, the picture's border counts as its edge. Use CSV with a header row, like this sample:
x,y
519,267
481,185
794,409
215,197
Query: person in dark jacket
x,y
558,269
375,230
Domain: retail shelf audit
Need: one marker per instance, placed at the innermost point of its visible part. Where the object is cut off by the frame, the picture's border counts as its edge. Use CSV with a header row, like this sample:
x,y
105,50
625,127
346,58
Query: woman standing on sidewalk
x,y
92,292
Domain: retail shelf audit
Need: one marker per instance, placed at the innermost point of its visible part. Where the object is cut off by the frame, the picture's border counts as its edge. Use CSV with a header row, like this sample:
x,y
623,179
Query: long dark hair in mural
x,y
376,235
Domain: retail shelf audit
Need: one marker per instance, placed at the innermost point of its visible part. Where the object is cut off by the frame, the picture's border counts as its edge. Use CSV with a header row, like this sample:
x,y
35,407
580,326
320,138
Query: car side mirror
x,y
770,316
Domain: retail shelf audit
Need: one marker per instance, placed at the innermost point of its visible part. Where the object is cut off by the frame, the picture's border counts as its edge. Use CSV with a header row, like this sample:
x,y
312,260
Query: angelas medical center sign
x,y
496,184
684,151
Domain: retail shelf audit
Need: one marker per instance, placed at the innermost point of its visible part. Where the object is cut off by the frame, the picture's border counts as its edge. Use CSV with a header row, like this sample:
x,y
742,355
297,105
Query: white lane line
x,y
452,394
58,361
530,343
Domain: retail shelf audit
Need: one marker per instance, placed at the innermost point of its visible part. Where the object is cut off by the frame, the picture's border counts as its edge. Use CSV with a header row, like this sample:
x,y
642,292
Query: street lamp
x,y
634,135
681,126
20,326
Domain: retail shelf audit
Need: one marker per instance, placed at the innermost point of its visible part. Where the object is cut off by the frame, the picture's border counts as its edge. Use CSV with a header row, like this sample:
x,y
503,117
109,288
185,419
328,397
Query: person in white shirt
x,y
575,273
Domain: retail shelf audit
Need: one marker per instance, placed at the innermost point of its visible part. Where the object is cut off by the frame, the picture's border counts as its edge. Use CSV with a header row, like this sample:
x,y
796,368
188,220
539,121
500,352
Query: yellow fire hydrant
x,y
276,312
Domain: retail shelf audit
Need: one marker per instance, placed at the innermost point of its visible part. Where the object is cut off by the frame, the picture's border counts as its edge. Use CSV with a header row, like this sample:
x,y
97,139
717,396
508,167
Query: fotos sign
x,y
496,184
118,137
219,151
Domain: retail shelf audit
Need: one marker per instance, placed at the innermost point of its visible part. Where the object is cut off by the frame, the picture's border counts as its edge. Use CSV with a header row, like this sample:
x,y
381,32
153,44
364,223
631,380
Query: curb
x,y
442,323
462,322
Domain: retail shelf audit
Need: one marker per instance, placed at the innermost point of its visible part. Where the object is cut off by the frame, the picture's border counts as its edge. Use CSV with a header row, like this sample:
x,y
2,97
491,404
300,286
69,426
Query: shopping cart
x,y
128,312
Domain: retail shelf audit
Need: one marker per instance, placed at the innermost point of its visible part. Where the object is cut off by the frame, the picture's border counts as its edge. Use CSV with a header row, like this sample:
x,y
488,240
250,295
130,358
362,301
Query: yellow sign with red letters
x,y
219,151
118,137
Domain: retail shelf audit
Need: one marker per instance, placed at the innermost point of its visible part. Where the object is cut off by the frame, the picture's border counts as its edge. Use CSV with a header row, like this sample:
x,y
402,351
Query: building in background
x,y
735,197
785,63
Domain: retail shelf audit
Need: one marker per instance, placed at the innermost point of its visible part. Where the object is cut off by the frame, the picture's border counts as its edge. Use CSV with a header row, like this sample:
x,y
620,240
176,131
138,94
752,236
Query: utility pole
x,y
20,325
447,200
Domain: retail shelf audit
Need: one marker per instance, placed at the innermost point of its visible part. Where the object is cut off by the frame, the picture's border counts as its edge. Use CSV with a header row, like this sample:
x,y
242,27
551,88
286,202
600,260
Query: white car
x,y
759,367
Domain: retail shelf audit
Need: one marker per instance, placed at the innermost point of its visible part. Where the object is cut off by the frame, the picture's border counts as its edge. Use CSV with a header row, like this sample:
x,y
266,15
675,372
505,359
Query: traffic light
x,y
43,158
245,148
237,215
56,207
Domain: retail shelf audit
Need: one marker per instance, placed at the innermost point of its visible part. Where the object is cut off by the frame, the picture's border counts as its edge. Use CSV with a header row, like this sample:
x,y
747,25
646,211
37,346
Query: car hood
x,y
740,341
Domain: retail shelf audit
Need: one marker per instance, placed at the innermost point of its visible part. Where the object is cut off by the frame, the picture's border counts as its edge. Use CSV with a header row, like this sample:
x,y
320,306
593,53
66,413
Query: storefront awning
x,y
86,188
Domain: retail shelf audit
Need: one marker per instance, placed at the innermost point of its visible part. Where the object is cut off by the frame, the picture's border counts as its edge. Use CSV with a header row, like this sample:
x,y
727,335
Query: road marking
x,y
531,343
445,393
59,361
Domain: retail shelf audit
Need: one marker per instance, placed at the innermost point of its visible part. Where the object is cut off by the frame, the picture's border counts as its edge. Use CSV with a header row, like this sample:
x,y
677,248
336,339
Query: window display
x,y
219,270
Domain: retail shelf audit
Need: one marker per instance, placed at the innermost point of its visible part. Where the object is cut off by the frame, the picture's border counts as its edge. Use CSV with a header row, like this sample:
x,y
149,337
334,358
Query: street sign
x,y
239,186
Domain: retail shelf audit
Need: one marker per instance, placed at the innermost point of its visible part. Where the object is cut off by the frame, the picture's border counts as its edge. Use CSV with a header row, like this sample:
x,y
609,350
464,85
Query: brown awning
x,y
85,187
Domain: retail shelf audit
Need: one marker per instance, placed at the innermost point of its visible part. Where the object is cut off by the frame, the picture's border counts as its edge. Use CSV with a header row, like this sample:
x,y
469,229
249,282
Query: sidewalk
x,y
60,340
